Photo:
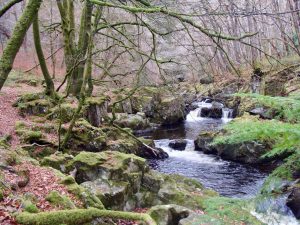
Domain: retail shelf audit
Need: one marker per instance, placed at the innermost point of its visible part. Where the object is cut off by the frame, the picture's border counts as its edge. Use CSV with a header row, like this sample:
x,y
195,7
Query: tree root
x,y
79,216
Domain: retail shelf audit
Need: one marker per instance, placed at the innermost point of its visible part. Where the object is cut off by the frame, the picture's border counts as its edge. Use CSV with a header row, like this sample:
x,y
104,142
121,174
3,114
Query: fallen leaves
x,y
41,182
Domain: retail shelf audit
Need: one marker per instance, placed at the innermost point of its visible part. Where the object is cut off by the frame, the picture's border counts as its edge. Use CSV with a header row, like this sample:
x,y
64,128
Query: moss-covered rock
x,y
169,214
109,164
34,104
203,142
30,207
133,121
86,137
57,160
59,200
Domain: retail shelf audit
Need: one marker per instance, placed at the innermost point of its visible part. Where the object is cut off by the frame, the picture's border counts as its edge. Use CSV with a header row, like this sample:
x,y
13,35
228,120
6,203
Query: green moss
x,y
20,125
96,100
1,195
64,112
4,141
57,160
79,216
68,180
29,135
60,200
89,159
28,206
227,211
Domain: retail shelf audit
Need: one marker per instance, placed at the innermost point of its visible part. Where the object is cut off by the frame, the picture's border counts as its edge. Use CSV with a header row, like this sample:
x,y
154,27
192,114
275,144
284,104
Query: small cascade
x,y
227,114
195,115
188,155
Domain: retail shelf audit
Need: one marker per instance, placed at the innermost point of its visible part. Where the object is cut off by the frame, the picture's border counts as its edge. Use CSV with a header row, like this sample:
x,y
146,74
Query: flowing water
x,y
228,178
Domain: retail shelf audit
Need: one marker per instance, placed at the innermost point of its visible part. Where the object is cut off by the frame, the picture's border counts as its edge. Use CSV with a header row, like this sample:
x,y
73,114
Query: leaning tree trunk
x,y
14,43
37,43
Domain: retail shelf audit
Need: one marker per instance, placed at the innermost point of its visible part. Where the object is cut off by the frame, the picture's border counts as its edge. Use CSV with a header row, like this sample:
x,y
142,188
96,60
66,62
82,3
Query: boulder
x,y
124,182
135,122
203,141
34,104
245,152
57,160
167,111
169,214
293,202
215,111
86,137
178,144
261,112
111,193
107,165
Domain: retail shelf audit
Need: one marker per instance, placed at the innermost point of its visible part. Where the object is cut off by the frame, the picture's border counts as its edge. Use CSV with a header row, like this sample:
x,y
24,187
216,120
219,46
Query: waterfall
x,y
195,115
227,114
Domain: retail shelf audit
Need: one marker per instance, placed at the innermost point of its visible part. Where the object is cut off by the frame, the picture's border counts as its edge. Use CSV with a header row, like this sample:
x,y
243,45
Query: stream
x,y
228,178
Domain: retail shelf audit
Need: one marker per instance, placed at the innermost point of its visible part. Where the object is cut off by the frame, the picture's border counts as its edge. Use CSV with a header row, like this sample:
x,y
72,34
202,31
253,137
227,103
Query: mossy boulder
x,y
34,104
63,112
167,110
112,194
109,164
204,140
27,135
245,152
169,214
86,137
124,182
135,122
57,160
59,200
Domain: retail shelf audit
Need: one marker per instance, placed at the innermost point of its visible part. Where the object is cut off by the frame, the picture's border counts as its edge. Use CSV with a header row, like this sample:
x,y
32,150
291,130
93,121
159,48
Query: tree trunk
x,y
14,43
37,43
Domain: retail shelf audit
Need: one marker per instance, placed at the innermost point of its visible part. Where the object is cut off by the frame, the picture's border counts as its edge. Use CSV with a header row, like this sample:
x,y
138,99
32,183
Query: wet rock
x,y
178,144
293,202
215,112
169,214
203,141
245,152
167,111
156,153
